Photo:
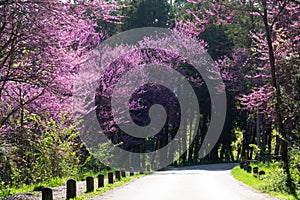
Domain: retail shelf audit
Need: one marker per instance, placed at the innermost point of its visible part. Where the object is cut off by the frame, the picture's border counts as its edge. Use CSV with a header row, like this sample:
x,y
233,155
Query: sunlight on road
x,y
204,182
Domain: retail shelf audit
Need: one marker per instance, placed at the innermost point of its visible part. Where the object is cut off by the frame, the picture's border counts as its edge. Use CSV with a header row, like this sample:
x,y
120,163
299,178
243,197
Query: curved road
x,y
204,182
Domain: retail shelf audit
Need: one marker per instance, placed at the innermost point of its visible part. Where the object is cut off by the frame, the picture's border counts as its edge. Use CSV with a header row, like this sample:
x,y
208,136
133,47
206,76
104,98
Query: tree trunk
x,y
277,146
191,147
258,130
197,142
269,136
283,143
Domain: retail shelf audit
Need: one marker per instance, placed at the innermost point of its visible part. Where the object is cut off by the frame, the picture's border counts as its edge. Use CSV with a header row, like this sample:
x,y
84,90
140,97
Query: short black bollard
x,y
131,173
242,165
89,184
246,166
118,175
47,194
175,164
261,173
123,174
100,180
148,168
71,189
249,169
255,170
110,178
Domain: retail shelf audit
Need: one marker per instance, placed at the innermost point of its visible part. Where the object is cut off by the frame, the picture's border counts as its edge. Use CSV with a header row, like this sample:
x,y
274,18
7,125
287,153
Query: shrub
x,y
42,149
295,166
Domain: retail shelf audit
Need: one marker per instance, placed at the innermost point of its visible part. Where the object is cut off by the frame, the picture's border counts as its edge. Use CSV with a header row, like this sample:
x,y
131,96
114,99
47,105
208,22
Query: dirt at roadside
x,y
59,193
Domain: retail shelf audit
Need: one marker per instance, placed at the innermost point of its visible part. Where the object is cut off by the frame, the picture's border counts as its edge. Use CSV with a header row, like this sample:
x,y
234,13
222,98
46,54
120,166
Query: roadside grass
x,y
52,182
245,177
107,187
260,184
55,182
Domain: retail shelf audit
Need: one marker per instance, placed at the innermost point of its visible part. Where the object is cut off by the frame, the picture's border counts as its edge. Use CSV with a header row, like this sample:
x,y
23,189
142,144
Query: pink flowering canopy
x,y
42,43
145,94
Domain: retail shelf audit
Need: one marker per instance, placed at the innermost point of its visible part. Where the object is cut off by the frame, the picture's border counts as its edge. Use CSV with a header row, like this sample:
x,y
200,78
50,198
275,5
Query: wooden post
x,y
47,194
118,175
148,168
175,164
100,180
260,173
123,174
246,155
110,178
71,189
249,169
255,170
242,165
246,166
89,184
131,171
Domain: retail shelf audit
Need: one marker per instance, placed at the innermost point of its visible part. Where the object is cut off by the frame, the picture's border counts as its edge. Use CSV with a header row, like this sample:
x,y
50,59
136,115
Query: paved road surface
x,y
205,182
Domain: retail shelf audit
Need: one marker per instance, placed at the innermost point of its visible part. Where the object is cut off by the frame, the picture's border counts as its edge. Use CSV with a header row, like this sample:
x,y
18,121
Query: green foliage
x,y
245,177
93,162
276,178
6,192
295,167
38,188
219,44
256,150
274,182
39,152
236,145
147,13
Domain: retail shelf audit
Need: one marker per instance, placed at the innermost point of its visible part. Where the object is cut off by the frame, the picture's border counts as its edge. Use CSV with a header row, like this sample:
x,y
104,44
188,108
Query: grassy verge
x,y
107,187
262,184
53,182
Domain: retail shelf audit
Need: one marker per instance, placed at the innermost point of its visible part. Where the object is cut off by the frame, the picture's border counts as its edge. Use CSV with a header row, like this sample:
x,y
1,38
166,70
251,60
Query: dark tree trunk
x,y
197,142
277,146
191,148
269,136
258,130
283,143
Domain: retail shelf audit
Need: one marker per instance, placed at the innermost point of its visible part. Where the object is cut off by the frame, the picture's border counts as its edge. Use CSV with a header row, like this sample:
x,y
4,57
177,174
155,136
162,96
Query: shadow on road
x,y
210,167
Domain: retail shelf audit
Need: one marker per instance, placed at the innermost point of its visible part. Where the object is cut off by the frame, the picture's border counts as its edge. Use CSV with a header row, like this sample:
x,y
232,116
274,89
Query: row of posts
x,y
47,193
256,172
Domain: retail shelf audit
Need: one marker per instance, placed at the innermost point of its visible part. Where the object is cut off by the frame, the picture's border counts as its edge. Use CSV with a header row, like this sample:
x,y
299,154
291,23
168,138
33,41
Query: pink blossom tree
x,y
274,55
106,68
42,43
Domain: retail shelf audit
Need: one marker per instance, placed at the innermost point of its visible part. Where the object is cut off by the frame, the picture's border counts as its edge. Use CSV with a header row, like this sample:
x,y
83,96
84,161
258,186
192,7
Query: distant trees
x,y
147,13
266,36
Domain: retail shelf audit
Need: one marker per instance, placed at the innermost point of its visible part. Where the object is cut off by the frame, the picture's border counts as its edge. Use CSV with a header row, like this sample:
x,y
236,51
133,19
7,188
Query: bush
x,y
275,180
295,167
42,149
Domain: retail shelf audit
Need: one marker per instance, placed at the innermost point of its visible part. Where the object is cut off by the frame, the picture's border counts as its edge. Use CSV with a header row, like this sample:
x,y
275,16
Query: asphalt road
x,y
204,182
